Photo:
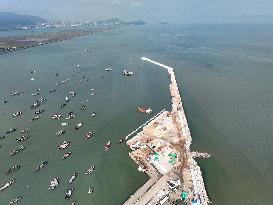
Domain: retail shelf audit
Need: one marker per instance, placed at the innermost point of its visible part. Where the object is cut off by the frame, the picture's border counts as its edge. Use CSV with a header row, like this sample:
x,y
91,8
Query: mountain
x,y
11,20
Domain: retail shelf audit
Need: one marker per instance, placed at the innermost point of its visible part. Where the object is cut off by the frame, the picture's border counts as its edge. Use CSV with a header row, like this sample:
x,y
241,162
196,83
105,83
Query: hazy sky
x,y
148,10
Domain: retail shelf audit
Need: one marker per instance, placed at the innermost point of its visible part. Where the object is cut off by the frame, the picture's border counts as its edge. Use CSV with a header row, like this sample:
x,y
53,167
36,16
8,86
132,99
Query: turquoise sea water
x,y
225,76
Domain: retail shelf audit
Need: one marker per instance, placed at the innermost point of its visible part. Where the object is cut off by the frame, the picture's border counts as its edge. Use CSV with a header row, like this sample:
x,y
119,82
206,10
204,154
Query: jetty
x,y
162,150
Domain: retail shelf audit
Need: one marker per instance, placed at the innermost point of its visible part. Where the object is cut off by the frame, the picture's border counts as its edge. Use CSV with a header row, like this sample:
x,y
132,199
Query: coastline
x,y
16,43
169,132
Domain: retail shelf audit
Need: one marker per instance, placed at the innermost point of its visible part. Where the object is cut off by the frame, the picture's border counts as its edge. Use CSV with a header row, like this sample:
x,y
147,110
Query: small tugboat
x,y
93,114
15,200
7,184
64,145
144,109
60,132
11,130
13,169
91,190
17,150
36,118
16,114
69,193
56,116
24,137
42,165
54,183
66,155
78,126
88,135
25,131
107,145
73,177
90,170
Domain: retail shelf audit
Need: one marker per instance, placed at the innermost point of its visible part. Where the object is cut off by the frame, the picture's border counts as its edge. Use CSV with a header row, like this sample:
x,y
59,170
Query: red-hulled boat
x,y
107,145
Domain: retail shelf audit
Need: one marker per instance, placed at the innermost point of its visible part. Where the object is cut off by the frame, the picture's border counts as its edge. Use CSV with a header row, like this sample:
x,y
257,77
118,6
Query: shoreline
x,y
16,43
169,132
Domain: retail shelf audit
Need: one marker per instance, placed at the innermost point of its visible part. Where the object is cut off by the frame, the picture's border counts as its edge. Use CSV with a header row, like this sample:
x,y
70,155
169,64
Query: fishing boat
x,y
17,150
13,201
107,145
60,132
121,140
70,115
25,131
91,190
64,145
108,69
36,94
54,183
72,93
41,100
2,137
90,170
36,118
127,73
42,165
69,193
73,203
35,105
144,109
39,111
17,114
66,155
7,184
56,116
93,114
24,137
78,126
88,135
83,107
11,130
62,105
13,169
73,177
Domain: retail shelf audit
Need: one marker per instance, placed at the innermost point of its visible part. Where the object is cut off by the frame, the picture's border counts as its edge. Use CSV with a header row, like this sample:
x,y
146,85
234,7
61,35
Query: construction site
x,y
162,150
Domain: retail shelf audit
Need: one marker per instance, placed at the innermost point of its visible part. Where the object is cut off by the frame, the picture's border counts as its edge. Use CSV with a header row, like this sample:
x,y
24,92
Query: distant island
x,y
10,21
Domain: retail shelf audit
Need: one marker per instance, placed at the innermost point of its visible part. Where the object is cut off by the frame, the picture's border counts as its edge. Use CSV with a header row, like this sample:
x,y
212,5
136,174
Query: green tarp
x,y
184,195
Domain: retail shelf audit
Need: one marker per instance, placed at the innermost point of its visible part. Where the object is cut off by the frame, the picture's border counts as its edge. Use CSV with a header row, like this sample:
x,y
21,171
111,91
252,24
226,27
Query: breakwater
x,y
178,110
